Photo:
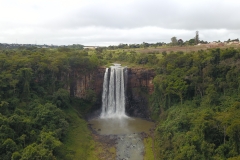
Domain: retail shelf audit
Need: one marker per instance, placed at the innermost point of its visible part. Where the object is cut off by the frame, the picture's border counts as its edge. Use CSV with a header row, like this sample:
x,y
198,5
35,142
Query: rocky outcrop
x,y
81,83
139,87
141,77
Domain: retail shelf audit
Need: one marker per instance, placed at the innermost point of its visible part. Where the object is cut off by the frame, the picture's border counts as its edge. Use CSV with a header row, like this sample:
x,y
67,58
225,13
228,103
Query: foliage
x,y
78,143
131,58
61,98
33,97
197,98
148,144
174,41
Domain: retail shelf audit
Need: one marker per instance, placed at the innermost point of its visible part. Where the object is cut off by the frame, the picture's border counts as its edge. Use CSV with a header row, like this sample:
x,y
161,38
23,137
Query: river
x,y
129,142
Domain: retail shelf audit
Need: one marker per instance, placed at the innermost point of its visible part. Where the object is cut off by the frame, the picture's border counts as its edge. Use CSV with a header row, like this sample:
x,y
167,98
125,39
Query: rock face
x,y
82,84
139,86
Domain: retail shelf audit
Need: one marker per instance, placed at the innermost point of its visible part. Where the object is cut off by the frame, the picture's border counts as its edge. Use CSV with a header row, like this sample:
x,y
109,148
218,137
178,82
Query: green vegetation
x,y
148,148
129,58
78,142
37,120
195,102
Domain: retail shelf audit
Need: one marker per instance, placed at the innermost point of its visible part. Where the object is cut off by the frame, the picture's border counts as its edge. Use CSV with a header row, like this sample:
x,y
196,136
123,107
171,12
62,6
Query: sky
x,y
111,22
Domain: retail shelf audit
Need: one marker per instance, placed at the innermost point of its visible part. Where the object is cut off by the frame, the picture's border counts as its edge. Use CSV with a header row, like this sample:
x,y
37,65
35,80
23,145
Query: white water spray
x,y
113,96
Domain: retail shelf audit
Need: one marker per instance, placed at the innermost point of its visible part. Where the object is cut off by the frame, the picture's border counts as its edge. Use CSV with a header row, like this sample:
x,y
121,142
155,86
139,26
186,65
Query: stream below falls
x,y
129,142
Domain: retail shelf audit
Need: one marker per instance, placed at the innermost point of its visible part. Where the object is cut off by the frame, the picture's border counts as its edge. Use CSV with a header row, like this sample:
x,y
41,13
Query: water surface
x,y
123,125
129,144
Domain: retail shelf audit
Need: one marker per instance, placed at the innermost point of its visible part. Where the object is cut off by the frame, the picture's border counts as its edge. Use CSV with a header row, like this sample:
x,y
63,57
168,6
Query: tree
x,y
164,53
8,146
180,42
174,41
94,61
176,85
191,41
35,152
196,38
49,141
25,74
61,98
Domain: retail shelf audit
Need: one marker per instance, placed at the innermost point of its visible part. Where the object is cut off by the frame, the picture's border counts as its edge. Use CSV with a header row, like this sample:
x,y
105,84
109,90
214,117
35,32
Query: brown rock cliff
x,y
140,86
81,82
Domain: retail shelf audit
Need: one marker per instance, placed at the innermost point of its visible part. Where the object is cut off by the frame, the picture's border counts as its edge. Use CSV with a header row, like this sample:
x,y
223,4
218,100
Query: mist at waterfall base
x,y
113,119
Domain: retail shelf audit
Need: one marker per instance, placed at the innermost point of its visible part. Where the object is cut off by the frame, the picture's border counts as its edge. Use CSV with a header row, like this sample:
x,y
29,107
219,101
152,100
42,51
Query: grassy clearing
x,y
78,144
148,144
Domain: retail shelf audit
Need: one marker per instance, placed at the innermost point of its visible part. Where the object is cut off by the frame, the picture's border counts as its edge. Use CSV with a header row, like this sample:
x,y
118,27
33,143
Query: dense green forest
x,y
36,111
195,103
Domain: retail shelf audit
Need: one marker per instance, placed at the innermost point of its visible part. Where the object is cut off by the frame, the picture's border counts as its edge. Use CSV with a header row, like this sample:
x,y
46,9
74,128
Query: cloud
x,y
166,14
112,22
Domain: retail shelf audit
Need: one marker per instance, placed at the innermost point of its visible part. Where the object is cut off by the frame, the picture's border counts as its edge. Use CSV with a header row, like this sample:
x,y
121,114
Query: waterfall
x,y
113,96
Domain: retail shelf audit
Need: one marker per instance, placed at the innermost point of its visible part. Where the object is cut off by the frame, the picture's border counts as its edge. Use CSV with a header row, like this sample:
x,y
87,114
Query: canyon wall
x,y
81,83
139,86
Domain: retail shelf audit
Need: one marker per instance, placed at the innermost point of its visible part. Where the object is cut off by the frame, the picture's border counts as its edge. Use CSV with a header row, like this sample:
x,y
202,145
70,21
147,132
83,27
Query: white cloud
x,y
105,22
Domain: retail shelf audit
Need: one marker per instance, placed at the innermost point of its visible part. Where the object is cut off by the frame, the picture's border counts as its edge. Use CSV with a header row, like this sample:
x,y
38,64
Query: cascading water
x,y
113,96
113,120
